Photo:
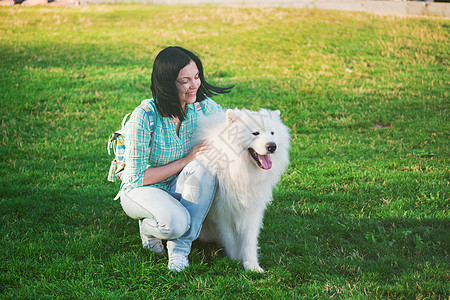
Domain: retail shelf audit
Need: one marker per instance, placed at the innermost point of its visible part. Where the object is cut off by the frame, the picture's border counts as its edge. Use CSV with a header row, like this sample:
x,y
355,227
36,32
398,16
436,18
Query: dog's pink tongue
x,y
265,161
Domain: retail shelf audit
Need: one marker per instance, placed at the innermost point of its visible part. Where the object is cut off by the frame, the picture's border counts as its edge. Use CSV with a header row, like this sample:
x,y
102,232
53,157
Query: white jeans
x,y
176,216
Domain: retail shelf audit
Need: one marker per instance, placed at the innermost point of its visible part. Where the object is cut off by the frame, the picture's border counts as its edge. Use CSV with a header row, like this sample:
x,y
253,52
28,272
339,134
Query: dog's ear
x,y
276,112
232,115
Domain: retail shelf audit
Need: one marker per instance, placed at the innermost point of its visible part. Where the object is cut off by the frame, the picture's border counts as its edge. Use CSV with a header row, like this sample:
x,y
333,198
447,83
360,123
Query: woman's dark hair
x,y
166,68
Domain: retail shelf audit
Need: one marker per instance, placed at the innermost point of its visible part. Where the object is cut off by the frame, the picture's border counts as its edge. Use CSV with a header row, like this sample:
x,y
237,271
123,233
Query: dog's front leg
x,y
228,239
248,236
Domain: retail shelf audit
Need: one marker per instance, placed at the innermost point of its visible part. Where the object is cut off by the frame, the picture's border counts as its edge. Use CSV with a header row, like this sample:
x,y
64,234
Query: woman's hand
x,y
194,152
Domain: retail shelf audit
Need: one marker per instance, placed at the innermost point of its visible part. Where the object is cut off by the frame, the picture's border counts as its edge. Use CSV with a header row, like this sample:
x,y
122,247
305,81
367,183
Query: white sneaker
x,y
151,243
178,262
155,245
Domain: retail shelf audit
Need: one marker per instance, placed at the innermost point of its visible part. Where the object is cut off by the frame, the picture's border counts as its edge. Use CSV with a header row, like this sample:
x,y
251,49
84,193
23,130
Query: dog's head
x,y
262,134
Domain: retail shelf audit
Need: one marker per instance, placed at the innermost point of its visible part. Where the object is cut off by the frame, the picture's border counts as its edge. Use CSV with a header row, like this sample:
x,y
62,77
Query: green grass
x,y
362,211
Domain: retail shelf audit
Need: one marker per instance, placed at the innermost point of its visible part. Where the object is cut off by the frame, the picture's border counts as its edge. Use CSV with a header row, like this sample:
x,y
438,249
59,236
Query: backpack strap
x,y
124,120
149,114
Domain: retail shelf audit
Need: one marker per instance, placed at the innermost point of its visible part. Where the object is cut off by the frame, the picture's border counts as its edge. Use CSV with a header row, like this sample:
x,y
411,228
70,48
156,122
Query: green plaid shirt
x,y
152,141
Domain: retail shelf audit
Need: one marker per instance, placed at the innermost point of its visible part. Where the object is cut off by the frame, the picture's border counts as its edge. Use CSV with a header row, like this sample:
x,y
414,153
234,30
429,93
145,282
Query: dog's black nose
x,y
271,147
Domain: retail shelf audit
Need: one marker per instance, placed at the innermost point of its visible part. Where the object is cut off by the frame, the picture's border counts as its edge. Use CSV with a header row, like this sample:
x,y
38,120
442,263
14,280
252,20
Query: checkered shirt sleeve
x,y
137,140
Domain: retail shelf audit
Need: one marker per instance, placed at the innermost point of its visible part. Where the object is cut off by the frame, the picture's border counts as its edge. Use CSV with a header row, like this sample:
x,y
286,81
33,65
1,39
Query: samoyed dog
x,y
248,152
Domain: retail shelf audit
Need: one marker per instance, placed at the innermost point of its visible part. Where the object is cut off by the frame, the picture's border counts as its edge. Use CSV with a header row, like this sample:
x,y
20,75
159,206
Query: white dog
x,y
248,151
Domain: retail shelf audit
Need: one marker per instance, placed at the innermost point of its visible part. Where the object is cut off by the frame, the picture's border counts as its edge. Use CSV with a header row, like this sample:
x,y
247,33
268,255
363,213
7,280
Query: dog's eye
x,y
272,133
255,133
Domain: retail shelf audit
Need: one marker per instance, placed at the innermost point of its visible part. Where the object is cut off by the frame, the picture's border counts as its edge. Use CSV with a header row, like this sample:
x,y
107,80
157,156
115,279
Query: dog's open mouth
x,y
263,161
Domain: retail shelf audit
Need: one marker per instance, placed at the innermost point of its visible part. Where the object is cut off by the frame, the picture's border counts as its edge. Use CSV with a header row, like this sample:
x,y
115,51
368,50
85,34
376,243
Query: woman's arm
x,y
157,174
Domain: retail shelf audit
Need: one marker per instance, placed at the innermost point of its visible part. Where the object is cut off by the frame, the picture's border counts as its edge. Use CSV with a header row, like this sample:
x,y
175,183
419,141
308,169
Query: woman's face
x,y
188,82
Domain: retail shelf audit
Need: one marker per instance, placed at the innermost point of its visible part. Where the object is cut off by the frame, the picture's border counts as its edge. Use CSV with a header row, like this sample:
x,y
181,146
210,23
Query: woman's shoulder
x,y
144,112
209,106
147,105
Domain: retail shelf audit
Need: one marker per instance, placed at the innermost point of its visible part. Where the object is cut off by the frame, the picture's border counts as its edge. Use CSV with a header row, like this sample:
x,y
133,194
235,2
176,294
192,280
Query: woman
x,y
164,187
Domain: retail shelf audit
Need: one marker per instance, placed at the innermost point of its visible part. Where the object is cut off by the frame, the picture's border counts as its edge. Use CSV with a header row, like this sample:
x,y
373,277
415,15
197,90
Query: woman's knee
x,y
198,169
167,227
162,215
196,177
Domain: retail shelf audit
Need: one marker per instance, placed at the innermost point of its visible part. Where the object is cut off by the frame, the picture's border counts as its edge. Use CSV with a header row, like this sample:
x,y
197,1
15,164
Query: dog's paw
x,y
253,267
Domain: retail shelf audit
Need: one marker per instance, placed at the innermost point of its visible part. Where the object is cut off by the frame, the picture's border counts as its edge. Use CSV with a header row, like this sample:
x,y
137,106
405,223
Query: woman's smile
x,y
188,82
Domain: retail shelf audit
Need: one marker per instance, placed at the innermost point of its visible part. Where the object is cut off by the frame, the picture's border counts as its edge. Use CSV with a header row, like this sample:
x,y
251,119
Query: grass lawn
x,y
362,211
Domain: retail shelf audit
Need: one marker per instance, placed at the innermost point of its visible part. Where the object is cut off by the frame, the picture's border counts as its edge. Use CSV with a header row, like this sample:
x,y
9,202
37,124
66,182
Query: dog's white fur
x,y
244,188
